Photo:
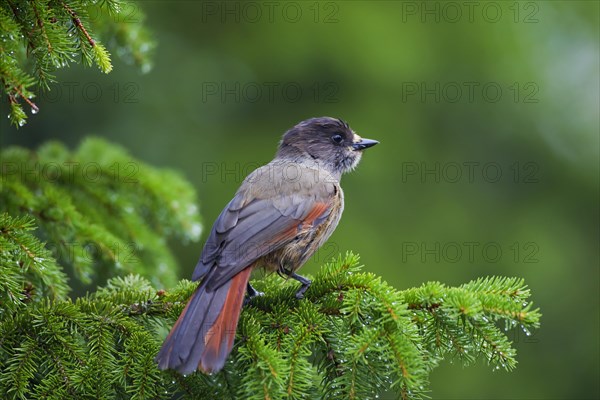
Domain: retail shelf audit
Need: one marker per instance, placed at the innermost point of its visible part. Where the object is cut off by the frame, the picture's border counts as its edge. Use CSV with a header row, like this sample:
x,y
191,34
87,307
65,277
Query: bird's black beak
x,y
364,144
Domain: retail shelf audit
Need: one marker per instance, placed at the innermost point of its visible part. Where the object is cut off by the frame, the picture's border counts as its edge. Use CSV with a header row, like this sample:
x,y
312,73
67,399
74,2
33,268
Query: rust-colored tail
x,y
202,337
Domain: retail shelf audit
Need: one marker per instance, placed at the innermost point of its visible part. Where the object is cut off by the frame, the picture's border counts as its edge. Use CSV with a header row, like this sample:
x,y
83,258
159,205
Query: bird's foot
x,y
251,293
305,284
300,292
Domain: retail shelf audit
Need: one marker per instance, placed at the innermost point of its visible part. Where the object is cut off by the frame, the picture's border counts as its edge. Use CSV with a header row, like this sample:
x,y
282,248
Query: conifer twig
x,y
40,24
79,24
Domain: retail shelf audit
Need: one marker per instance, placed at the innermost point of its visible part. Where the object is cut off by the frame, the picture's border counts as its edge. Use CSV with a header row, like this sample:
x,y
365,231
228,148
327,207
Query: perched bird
x,y
281,214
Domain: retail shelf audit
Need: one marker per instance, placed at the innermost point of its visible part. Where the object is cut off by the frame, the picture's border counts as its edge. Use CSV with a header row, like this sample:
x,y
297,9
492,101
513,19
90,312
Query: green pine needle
x,y
102,58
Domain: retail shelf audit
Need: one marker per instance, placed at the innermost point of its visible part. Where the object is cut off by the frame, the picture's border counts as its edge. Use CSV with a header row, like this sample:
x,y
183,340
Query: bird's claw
x,y
252,293
301,291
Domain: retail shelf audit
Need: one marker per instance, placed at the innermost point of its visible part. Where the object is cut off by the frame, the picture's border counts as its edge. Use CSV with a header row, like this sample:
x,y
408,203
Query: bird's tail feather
x,y
202,337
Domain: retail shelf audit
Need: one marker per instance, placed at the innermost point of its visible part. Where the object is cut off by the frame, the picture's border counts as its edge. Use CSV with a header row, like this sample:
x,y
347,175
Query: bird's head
x,y
328,141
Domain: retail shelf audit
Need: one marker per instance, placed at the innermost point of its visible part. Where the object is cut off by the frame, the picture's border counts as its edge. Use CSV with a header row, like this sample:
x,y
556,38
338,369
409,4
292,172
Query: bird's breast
x,y
309,238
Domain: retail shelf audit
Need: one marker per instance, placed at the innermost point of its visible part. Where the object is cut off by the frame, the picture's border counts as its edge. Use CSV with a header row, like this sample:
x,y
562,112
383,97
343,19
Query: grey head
x,y
329,142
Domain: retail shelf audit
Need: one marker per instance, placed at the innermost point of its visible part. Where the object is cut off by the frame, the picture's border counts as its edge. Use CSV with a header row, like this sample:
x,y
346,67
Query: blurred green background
x,y
487,114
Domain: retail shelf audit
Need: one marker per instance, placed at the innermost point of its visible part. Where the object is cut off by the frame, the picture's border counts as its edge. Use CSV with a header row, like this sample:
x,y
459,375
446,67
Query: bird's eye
x,y
337,139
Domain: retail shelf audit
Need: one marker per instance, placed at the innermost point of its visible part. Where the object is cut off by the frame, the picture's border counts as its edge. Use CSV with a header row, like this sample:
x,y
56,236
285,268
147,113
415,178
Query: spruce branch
x,y
102,345
78,24
102,212
29,271
56,33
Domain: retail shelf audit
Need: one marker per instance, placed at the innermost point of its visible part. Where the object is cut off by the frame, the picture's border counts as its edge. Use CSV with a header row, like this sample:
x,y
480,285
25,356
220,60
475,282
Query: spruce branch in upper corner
x,y
51,34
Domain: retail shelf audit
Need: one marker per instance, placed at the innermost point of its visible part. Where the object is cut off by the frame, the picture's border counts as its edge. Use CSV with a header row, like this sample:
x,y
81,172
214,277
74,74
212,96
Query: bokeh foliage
x,y
99,210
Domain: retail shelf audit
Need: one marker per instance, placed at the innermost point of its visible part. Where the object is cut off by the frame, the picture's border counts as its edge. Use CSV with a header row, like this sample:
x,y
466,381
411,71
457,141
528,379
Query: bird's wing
x,y
257,222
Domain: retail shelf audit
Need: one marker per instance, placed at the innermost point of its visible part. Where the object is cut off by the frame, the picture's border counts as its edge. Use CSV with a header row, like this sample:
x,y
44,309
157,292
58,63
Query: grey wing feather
x,y
247,230
252,238
225,247
225,222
